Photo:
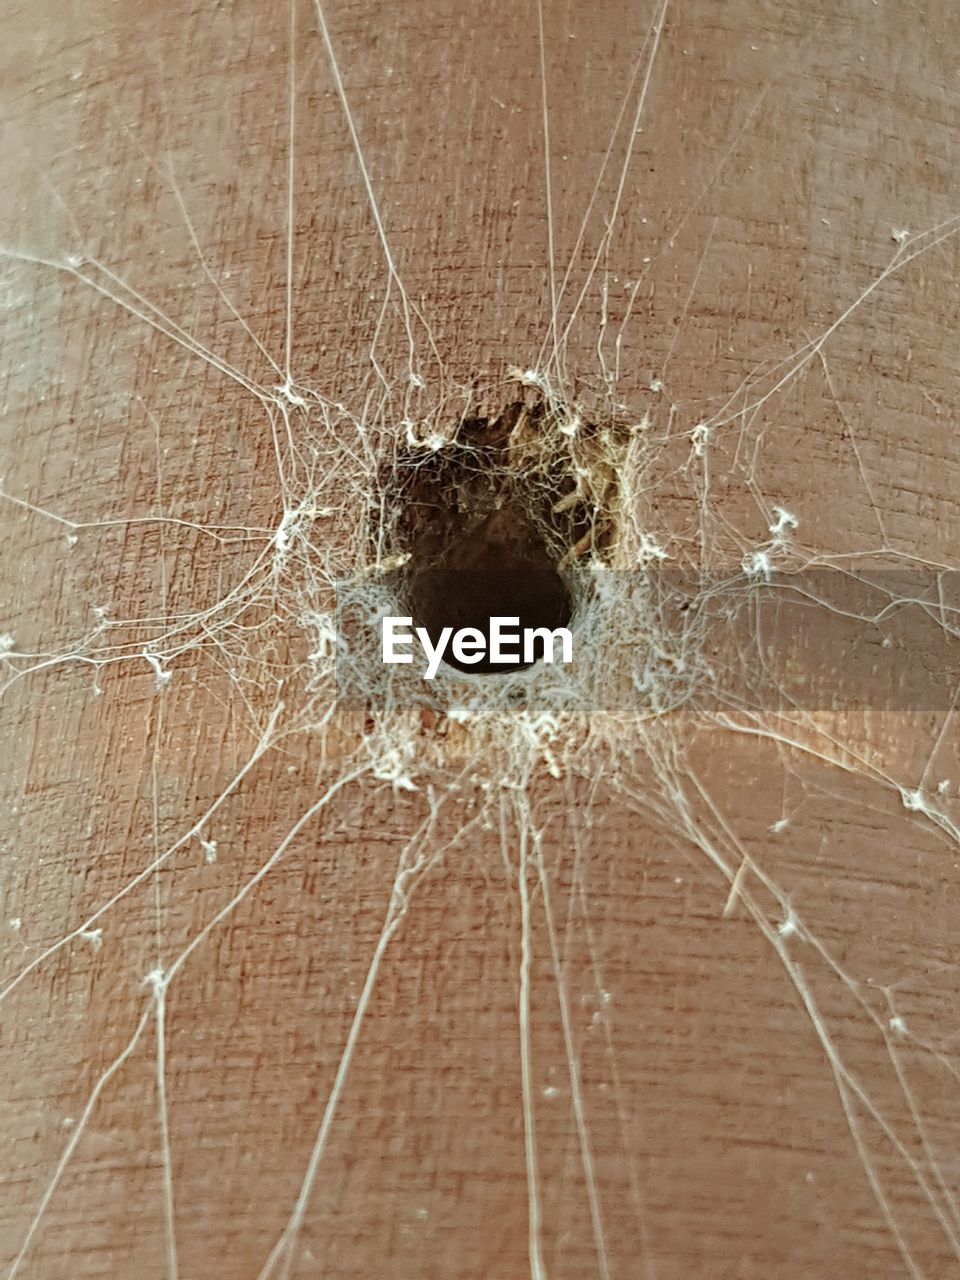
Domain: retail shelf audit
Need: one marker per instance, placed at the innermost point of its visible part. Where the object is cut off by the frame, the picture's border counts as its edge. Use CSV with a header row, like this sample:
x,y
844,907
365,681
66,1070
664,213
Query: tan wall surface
x,y
294,987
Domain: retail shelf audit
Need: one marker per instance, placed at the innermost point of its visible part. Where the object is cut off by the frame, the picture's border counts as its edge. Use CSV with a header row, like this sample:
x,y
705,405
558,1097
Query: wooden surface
x,y
567,1049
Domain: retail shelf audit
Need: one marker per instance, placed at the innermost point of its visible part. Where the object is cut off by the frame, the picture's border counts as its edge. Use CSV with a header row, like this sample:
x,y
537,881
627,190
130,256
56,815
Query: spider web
x,y
307,965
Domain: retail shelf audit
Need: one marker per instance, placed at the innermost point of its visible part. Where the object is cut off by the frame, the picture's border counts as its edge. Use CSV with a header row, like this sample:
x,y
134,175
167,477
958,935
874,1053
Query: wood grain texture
x,y
780,149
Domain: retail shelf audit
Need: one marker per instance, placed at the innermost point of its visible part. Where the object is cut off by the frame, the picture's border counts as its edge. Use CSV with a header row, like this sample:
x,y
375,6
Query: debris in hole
x,y
492,522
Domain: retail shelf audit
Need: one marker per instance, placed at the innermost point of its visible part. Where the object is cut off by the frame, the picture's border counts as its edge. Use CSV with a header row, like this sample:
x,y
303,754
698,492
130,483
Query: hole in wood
x,y
483,535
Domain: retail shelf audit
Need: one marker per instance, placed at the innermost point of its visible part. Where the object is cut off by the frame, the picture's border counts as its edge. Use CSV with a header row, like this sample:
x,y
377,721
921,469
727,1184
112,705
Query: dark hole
x,y
450,596
483,538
